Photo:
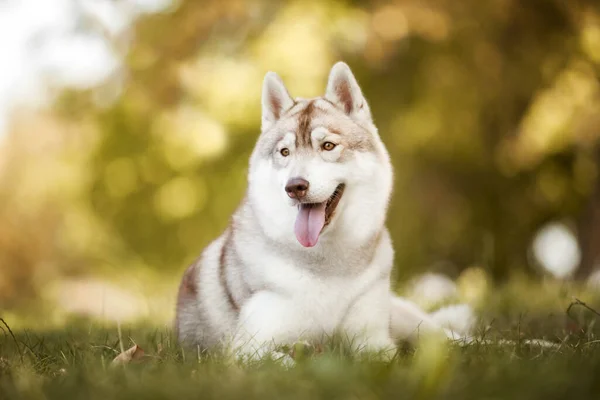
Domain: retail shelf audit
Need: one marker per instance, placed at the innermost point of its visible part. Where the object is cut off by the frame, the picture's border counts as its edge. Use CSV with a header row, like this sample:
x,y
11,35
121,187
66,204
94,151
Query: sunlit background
x,y
126,126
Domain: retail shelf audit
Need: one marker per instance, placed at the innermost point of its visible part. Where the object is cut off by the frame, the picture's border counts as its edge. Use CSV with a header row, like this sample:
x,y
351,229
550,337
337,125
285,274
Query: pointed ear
x,y
275,100
344,92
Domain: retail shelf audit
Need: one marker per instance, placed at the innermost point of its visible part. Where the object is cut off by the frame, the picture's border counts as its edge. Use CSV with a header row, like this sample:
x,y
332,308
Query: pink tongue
x,y
309,223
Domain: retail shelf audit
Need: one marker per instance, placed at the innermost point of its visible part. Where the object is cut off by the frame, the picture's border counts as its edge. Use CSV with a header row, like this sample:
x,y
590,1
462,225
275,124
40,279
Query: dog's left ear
x,y
344,92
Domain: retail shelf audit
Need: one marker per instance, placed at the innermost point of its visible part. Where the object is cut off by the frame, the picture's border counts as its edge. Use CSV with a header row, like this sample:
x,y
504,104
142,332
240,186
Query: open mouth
x,y
314,217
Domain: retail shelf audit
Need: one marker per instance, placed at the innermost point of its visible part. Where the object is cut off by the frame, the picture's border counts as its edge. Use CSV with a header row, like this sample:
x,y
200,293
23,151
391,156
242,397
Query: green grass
x,y
76,364
74,361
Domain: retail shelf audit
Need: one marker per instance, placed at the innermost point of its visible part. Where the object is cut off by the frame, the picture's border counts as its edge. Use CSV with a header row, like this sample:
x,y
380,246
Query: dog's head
x,y
319,168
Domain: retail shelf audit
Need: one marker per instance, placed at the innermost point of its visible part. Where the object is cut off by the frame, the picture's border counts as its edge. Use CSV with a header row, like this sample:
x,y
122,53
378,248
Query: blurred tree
x,y
489,110
589,228
461,94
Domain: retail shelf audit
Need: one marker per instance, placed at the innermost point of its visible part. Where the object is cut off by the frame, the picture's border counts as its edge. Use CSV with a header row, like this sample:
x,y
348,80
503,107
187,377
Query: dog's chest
x,y
325,303
321,300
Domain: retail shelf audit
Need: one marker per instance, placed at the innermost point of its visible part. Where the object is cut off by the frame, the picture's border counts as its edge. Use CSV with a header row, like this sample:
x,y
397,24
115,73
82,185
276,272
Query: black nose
x,y
296,188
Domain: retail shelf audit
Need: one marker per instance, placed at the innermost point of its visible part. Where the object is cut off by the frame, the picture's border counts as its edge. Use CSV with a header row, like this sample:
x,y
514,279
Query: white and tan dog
x,y
307,253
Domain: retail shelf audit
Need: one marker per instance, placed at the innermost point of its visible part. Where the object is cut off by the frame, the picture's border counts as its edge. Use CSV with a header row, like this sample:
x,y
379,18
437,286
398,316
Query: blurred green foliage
x,y
489,110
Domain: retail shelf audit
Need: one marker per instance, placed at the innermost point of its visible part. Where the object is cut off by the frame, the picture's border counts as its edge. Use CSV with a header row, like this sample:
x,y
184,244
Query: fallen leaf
x,y
133,354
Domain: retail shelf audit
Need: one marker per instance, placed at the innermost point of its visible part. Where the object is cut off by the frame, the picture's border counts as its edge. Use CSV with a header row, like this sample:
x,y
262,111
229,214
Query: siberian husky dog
x,y
307,254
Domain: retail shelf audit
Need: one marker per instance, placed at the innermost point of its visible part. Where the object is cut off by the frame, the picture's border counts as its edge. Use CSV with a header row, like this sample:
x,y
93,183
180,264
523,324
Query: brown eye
x,y
328,146
285,152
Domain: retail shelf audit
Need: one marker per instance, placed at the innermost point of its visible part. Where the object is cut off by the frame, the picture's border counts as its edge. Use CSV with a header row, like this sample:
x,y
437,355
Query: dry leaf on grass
x,y
135,353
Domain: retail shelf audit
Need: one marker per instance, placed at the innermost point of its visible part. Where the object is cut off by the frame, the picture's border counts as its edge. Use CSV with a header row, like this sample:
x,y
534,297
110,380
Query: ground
x,y
75,361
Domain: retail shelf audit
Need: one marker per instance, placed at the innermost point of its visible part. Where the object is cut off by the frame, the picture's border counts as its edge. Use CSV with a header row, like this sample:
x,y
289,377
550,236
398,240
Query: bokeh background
x,y
126,127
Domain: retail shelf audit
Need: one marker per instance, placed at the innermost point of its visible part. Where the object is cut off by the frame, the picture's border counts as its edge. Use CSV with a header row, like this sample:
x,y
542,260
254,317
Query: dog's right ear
x,y
275,100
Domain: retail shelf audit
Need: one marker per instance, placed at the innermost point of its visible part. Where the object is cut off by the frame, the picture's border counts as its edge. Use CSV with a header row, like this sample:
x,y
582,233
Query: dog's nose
x,y
296,188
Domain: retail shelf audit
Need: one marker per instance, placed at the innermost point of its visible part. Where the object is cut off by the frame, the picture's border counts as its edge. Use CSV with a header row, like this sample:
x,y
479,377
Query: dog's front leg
x,y
266,320
367,322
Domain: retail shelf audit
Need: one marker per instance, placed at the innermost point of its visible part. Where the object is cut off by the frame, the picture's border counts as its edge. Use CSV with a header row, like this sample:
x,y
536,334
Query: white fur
x,y
286,292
